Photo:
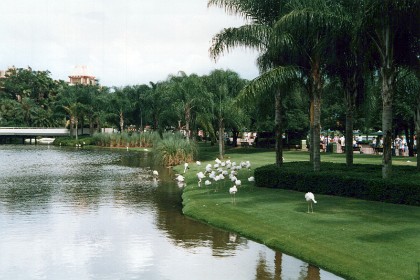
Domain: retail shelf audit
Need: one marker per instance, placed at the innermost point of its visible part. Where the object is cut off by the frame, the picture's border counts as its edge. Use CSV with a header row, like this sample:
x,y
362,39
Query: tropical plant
x,y
174,149
258,34
392,27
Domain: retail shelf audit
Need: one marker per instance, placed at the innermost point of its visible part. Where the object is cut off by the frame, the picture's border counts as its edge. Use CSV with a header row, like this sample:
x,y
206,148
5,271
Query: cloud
x,y
122,42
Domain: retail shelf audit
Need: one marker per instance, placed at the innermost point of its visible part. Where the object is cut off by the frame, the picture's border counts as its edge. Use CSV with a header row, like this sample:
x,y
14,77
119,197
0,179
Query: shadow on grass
x,y
390,236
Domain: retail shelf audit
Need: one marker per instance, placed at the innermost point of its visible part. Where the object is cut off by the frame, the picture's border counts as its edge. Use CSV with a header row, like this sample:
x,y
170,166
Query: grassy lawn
x,y
353,238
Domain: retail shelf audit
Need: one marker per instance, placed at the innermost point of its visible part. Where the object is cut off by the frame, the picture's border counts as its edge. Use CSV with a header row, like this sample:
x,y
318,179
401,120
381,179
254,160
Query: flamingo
x,y
180,179
185,167
233,190
155,173
198,162
310,198
200,176
251,179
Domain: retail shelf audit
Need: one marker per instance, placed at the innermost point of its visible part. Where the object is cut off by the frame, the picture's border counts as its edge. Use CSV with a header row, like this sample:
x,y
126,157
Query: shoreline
x,y
352,238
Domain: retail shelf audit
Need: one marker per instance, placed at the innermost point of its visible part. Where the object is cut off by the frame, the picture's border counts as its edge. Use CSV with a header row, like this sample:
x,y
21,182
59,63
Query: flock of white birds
x,y
222,171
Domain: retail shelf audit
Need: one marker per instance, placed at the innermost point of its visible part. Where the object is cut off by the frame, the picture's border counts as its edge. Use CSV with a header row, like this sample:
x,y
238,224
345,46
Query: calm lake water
x,y
69,213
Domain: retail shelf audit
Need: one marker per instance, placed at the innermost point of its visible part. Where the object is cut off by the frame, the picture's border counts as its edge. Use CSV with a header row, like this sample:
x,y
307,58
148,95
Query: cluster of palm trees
x,y
181,102
311,43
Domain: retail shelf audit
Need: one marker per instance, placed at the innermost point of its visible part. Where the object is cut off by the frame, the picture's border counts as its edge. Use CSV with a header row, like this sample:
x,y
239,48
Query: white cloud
x,y
121,42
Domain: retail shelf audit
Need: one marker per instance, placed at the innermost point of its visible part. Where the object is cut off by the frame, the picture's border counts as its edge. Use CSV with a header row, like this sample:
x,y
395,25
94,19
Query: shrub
x,y
174,149
359,181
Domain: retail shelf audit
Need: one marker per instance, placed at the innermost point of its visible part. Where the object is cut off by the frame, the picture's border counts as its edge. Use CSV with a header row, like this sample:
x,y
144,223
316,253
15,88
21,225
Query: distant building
x,y
82,76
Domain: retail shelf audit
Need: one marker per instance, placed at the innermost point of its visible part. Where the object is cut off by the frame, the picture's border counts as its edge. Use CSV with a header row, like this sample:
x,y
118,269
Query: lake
x,y
68,213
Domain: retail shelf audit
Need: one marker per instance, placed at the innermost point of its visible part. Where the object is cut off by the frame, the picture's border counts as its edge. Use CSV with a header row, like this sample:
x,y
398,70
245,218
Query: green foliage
x,y
143,140
359,181
174,149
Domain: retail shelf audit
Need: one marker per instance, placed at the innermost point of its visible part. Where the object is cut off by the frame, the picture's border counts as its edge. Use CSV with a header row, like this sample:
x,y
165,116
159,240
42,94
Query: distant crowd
x,y
399,145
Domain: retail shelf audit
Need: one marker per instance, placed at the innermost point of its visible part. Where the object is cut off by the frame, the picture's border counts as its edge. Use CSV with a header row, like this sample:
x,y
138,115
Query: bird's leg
x,y
308,207
312,208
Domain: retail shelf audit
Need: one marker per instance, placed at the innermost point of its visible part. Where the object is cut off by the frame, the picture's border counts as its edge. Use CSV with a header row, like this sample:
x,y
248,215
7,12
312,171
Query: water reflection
x,y
100,215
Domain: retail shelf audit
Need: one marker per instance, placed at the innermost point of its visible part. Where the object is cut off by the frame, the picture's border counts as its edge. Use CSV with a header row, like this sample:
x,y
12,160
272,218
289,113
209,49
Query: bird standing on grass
x,y
180,178
185,167
310,198
200,176
233,190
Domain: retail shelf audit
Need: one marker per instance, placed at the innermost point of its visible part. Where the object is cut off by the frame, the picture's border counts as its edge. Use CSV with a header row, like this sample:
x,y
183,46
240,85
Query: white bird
x,y
218,161
310,198
238,183
198,162
200,176
155,173
233,190
251,179
207,183
180,178
185,167
248,165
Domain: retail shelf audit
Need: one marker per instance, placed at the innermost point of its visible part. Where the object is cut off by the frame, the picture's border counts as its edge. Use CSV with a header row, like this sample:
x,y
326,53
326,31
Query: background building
x,y
82,76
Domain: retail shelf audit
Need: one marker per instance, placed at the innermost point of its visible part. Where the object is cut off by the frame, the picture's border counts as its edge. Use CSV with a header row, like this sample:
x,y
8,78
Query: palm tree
x,y
224,87
190,96
259,35
313,25
393,29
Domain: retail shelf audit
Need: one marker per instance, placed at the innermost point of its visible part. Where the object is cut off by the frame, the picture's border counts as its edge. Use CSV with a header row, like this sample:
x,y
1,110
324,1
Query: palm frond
x,y
267,82
254,36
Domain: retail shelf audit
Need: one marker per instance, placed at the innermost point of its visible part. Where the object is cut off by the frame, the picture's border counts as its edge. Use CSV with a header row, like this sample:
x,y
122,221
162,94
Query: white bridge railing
x,y
33,131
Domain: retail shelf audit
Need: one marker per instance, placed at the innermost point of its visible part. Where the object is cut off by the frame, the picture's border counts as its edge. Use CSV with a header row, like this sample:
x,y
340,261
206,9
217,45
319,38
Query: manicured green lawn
x,y
353,238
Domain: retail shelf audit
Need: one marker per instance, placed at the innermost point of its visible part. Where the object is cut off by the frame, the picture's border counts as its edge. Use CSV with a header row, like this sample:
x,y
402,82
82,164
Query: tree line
x,y
315,44
323,64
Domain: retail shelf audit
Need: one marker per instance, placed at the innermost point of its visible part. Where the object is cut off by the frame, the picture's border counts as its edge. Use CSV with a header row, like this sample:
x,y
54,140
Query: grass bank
x,y
353,238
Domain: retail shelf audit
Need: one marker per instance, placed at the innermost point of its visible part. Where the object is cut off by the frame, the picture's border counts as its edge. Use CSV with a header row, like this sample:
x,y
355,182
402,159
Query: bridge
x,y
30,132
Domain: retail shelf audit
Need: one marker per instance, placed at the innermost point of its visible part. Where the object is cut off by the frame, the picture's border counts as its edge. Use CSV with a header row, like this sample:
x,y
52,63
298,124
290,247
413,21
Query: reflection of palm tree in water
x,y
308,272
277,265
311,273
262,269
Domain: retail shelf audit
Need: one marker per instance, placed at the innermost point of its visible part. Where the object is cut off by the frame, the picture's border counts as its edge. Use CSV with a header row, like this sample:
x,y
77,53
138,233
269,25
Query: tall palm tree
x,y
349,64
257,34
224,87
393,29
313,25
190,96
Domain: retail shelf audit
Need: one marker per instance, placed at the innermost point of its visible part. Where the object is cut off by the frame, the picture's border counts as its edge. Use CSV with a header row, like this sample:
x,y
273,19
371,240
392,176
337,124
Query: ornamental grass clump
x,y
143,140
174,149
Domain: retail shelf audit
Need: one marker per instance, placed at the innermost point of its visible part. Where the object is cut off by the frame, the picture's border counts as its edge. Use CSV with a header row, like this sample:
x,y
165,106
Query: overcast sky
x,y
122,42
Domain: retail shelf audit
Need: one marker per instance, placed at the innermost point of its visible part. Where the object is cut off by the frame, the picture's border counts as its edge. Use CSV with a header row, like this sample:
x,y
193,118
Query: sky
x,y
122,42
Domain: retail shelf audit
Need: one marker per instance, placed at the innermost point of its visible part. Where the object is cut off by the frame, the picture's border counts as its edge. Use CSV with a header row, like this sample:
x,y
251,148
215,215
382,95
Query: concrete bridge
x,y
7,133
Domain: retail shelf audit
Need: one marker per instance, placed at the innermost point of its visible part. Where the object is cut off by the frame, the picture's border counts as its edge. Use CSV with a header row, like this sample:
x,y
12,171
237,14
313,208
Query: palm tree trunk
x,y
351,94
187,122
316,91
76,122
387,92
221,140
311,127
417,122
121,121
349,137
278,128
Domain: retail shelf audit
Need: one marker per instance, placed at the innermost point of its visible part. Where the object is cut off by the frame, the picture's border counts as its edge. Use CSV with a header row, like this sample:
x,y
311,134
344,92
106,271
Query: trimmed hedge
x,y
360,181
